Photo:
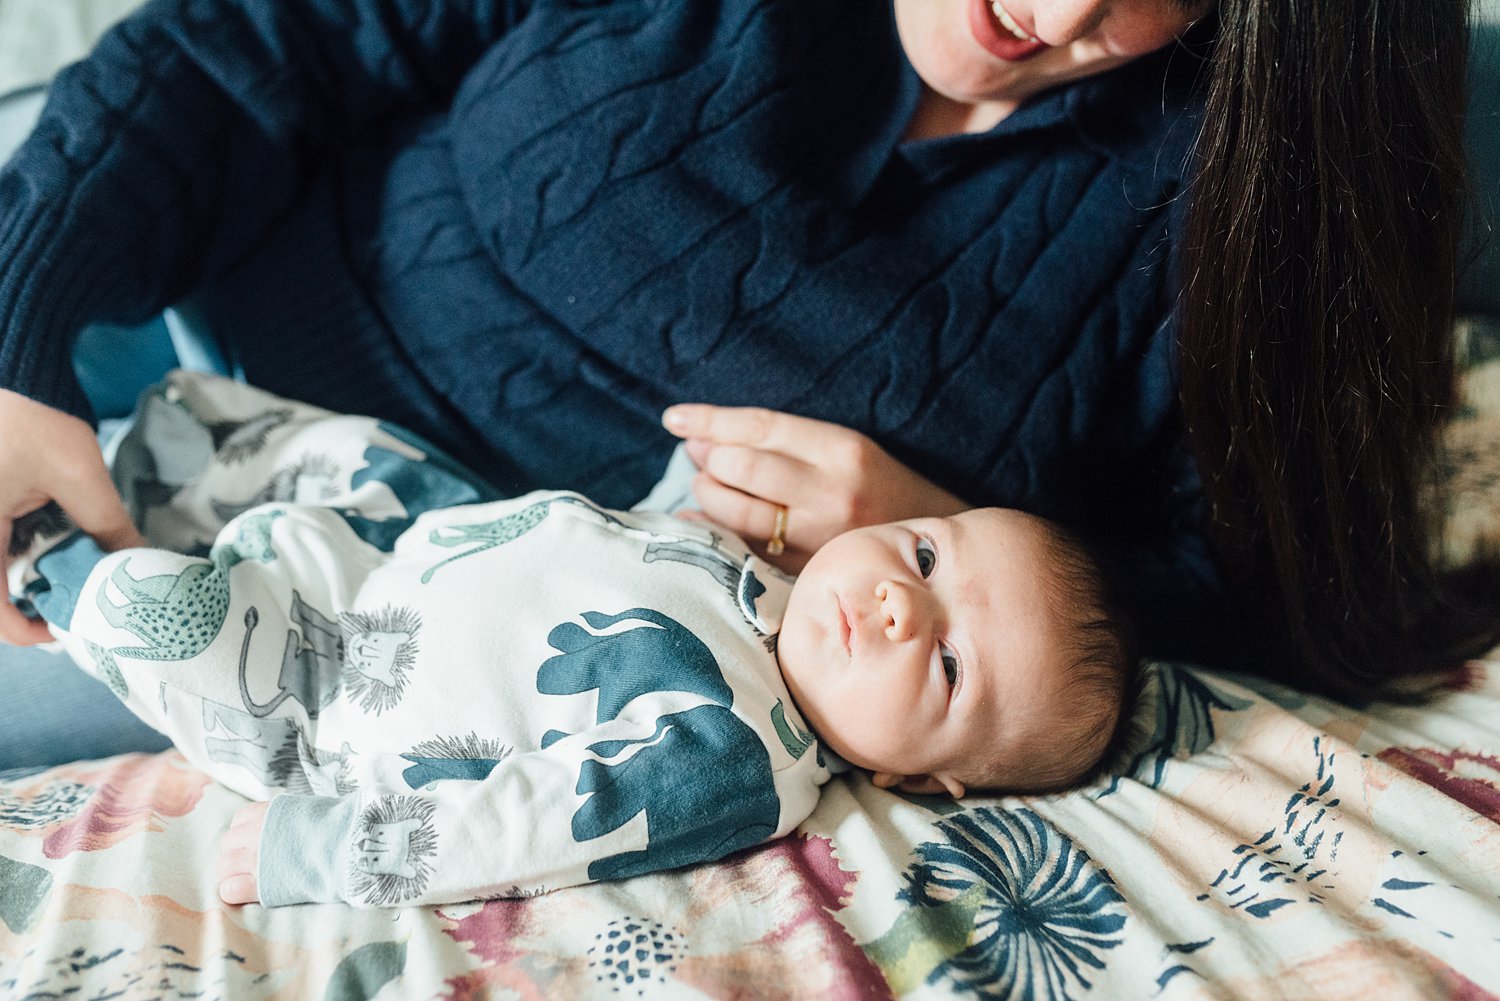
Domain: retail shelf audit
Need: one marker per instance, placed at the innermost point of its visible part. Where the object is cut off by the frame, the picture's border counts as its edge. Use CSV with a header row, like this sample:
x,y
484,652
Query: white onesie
x,y
499,698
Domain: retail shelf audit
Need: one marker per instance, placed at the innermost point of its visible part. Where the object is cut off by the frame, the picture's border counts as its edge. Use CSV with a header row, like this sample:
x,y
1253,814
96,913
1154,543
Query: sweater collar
x,y
1111,111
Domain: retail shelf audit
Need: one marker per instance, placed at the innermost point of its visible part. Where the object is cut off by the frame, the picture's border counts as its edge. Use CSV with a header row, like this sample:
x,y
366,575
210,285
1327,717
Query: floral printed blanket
x,y
1250,842
1256,843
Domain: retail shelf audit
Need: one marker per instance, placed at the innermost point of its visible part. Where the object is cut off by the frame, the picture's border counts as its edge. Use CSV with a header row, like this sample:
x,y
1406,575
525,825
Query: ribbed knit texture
x,y
523,232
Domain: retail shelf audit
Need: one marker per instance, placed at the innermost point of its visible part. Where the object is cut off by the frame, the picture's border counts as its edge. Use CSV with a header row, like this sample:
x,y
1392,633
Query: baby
x,y
491,698
977,652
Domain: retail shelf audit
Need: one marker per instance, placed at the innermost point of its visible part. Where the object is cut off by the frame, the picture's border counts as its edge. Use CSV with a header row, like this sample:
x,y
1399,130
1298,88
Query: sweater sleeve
x,y
161,158
694,788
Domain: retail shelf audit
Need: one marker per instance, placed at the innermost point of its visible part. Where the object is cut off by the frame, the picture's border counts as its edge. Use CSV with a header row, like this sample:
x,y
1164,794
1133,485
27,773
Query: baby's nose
x,y
898,610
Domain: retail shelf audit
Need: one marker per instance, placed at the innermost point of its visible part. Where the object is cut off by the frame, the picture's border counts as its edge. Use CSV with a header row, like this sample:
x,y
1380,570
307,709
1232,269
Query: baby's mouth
x,y
846,630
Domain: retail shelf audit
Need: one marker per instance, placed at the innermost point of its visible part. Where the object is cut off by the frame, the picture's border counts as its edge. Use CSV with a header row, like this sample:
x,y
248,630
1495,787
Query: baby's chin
x,y
797,639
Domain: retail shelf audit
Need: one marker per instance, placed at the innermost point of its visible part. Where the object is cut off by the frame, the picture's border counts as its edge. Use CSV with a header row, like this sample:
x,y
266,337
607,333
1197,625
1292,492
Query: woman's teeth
x,y
1004,18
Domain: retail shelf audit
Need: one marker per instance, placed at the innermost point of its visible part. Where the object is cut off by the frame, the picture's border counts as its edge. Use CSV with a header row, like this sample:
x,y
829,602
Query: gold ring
x,y
776,544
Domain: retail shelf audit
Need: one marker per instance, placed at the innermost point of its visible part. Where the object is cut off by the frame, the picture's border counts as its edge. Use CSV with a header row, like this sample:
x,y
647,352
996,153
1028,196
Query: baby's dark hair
x,y
1098,664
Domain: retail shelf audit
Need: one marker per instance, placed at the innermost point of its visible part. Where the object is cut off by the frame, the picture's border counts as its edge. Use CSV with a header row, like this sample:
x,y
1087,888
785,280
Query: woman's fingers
x,y
753,519
772,475
16,628
49,455
45,455
88,496
105,519
830,478
750,516
755,427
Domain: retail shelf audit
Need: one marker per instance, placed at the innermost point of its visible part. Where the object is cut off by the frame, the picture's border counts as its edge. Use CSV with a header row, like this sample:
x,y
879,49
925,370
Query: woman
x,y
956,227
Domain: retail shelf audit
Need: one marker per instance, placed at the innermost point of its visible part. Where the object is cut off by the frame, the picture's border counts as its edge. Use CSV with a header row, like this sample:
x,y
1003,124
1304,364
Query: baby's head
x,y
980,651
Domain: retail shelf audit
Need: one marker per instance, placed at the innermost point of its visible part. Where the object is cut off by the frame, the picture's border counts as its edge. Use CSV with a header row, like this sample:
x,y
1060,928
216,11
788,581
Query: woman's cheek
x,y
1129,42
1144,33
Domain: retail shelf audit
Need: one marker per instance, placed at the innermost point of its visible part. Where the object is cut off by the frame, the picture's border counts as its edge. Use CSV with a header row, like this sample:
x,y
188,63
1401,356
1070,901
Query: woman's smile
x,y
1009,22
999,34
979,59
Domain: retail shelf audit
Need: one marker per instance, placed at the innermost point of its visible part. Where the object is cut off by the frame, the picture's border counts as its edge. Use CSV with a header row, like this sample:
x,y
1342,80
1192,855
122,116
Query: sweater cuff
x,y
304,849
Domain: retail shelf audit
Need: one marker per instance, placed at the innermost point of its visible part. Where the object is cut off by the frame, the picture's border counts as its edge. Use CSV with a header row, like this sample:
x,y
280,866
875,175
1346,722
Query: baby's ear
x,y
921,785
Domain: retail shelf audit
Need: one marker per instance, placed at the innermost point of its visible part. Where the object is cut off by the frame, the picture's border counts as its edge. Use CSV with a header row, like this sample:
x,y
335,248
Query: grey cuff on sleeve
x,y
304,849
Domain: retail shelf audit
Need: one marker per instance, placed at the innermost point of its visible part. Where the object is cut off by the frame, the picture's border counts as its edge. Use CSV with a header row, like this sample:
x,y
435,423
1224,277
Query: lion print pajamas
x,y
441,702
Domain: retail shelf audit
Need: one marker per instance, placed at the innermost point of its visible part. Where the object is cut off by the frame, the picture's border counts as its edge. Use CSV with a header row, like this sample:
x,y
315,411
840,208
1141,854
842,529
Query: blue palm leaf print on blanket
x,y
1040,914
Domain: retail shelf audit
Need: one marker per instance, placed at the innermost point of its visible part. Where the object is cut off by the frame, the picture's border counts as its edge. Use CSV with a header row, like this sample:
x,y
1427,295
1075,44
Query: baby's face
x,y
911,646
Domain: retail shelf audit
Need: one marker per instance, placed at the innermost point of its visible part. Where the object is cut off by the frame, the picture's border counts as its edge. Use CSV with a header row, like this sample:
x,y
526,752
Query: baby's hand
x,y
238,855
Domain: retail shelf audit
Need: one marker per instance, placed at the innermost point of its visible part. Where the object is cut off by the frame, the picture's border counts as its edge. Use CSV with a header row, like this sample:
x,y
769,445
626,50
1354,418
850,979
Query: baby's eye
x,y
926,557
951,667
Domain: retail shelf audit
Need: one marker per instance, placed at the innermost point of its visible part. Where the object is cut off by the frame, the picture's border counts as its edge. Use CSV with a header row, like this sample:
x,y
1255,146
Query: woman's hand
x,y
830,479
47,455
239,856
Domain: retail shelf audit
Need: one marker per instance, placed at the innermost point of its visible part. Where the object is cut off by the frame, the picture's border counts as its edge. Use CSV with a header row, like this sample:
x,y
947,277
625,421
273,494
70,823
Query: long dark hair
x,y
1316,351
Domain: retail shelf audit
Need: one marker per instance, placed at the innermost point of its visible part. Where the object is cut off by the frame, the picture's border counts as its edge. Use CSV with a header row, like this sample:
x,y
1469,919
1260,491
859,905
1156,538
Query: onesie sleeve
x,y
162,157
693,787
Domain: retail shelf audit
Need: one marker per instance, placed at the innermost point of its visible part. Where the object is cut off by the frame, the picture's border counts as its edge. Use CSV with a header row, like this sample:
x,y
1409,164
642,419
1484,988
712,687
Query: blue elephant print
x,y
693,813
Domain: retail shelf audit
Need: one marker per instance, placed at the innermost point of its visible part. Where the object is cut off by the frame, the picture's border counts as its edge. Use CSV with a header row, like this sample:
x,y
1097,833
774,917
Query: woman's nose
x,y
1058,22
898,607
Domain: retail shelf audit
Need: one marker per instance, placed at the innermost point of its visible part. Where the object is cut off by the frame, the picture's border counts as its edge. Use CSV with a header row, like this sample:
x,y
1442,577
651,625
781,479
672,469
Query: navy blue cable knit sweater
x,y
524,228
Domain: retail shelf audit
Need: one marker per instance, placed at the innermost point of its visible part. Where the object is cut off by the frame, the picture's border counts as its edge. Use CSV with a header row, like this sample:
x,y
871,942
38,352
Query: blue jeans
x,y
52,712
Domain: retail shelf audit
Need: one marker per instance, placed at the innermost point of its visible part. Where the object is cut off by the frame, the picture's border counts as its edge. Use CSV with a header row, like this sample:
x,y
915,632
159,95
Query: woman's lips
x,y
995,38
1008,22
